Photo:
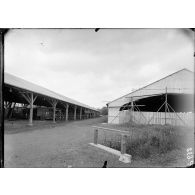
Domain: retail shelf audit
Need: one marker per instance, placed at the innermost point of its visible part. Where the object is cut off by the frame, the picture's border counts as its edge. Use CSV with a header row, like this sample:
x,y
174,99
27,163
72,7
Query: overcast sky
x,y
96,67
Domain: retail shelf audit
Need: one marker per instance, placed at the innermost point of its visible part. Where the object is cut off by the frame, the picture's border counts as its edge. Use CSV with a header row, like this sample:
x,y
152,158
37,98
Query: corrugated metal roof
x,y
14,81
177,82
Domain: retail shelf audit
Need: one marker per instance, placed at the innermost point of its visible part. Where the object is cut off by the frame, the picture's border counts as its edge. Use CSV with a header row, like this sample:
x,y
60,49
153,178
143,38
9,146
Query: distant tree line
x,y
103,110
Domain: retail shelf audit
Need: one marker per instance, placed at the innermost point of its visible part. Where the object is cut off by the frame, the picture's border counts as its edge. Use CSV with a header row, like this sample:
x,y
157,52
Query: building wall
x,y
113,115
175,119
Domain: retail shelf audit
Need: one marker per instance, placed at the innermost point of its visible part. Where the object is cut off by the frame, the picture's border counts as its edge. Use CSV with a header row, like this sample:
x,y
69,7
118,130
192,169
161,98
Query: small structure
x,y
169,100
36,102
123,156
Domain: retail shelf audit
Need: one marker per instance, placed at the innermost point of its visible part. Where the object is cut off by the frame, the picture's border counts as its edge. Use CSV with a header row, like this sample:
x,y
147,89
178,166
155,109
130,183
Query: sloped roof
x,y
177,82
17,82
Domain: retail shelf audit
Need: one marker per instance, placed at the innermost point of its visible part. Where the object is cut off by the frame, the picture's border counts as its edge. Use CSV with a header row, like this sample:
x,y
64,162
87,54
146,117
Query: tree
x,y
104,111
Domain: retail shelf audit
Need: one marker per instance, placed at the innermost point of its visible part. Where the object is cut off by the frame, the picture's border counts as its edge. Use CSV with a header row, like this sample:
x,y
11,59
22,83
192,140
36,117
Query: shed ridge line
x,y
150,84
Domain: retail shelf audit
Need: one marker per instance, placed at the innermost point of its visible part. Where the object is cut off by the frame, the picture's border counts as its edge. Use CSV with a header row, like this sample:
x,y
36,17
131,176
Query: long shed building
x,y
169,100
35,97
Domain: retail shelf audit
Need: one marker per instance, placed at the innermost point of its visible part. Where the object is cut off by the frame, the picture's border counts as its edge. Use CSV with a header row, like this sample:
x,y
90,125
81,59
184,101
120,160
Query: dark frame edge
x,y
3,31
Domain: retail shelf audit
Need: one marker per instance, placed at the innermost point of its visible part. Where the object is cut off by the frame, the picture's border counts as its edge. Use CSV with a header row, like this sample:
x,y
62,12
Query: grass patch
x,y
147,140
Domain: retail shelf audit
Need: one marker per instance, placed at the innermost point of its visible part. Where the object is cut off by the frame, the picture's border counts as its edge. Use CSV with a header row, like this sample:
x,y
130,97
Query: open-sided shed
x,y
17,90
169,100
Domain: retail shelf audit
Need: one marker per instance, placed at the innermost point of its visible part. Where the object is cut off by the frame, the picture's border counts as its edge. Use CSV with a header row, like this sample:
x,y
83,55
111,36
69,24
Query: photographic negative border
x,y
2,36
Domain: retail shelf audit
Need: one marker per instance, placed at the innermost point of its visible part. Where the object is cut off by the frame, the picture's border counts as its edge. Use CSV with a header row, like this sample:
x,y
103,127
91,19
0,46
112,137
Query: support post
x,y
75,112
96,136
165,105
54,113
86,114
31,110
80,113
53,103
123,144
30,99
11,110
132,109
67,107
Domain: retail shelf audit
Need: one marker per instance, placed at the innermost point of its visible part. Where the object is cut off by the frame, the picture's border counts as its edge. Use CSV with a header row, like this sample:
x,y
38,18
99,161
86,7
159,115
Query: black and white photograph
x,y
97,97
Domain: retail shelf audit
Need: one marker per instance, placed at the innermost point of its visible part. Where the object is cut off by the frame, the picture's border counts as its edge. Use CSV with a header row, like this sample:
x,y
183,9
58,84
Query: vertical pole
x,y
132,109
123,144
31,110
54,111
95,136
165,105
80,113
86,113
67,106
75,112
12,109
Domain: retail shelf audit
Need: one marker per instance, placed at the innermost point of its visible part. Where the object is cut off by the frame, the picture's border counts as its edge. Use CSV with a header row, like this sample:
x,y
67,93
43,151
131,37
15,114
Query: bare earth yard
x,y
67,145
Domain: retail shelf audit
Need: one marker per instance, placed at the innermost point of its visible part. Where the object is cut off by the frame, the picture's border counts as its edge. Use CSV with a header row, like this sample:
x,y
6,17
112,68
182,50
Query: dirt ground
x,y
67,145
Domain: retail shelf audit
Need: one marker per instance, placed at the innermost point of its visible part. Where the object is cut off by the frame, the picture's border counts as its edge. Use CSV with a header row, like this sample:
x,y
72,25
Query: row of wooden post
x,y
123,140
30,98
